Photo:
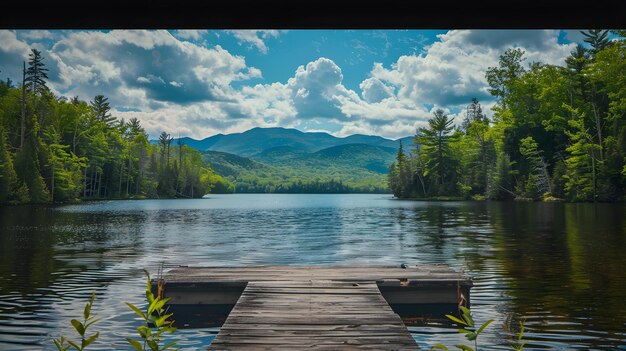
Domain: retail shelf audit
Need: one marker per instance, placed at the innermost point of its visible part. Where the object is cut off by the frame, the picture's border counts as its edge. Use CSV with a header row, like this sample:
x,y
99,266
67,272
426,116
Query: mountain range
x,y
269,159
257,140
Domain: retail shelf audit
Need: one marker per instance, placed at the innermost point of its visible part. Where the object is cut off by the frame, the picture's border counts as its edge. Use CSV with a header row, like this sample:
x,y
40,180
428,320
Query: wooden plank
x,y
314,307
314,315
303,273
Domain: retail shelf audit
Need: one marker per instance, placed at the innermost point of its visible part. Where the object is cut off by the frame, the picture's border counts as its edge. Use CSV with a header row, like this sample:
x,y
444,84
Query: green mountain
x,y
257,140
355,167
288,160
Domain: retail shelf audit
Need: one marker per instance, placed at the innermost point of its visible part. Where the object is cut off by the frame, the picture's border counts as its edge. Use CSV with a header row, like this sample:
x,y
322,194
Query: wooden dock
x,y
314,307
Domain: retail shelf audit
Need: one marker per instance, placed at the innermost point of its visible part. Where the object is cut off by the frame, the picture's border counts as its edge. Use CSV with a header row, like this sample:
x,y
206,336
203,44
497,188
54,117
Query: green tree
x,y
102,108
582,162
539,175
36,74
508,71
439,162
597,38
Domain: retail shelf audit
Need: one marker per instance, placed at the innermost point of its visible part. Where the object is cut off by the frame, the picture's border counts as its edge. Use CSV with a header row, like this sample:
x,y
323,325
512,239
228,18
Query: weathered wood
x,y
312,314
314,307
303,273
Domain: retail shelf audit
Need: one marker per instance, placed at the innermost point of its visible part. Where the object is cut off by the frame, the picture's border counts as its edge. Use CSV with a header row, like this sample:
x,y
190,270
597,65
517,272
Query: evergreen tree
x,y
101,108
36,74
597,38
435,151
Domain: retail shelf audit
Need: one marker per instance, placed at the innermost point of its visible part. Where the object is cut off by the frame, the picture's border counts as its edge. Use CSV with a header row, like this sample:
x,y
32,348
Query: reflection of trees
x,y
42,250
27,253
564,259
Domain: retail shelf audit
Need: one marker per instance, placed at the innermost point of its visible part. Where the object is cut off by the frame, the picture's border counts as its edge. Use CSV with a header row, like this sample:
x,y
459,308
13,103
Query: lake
x,y
561,267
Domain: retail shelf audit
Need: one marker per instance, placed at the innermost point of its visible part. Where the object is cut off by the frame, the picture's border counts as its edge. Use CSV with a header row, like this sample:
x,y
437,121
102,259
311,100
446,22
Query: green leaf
x,y
454,319
149,296
160,303
74,345
464,347
144,331
80,328
521,346
471,336
59,344
136,344
87,311
153,345
161,320
440,346
89,340
467,316
138,311
482,327
521,332
173,343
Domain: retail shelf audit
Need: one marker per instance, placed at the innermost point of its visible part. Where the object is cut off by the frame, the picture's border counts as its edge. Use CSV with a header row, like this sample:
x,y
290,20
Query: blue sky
x,y
202,82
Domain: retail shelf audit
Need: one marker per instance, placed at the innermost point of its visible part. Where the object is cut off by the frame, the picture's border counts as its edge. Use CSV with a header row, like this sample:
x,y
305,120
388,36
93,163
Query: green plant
x,y
156,318
518,344
471,333
81,328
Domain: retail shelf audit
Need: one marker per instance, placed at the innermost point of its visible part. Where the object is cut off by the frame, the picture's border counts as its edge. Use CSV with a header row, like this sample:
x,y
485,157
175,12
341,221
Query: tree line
x,y
55,149
305,187
557,132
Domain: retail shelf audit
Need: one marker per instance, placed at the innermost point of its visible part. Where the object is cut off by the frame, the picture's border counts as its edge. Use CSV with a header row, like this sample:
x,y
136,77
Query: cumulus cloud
x,y
120,60
12,53
190,34
171,82
452,71
316,90
373,90
255,38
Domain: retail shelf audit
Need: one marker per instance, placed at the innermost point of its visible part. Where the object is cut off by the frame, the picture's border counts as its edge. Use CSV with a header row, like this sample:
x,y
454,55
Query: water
x,y
559,266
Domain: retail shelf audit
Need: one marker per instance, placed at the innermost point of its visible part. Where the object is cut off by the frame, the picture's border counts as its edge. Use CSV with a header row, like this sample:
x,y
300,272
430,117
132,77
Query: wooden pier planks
x,y
313,315
437,273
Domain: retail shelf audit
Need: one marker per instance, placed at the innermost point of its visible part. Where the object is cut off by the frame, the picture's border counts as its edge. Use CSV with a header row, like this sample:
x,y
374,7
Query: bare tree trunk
x,y
593,172
598,128
52,186
92,182
119,190
85,183
23,112
130,164
74,138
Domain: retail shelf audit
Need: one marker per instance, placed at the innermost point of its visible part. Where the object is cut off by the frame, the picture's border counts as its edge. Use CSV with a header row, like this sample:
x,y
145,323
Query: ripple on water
x,y
559,267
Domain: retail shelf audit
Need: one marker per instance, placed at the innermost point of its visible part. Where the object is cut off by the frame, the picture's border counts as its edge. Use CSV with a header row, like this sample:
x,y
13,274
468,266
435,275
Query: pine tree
x,y
538,175
36,73
435,150
10,189
101,108
597,38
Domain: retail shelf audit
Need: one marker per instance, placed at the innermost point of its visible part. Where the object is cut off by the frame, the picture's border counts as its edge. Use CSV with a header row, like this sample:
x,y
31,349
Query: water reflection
x,y
560,266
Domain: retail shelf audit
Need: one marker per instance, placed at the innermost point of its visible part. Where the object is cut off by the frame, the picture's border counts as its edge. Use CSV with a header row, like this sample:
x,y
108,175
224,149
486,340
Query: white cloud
x,y
145,59
453,69
316,89
37,34
255,38
373,90
12,53
192,34
183,87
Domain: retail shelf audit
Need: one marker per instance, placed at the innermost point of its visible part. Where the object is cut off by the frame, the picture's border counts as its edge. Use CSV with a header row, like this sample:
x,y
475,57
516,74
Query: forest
x,y
557,133
54,149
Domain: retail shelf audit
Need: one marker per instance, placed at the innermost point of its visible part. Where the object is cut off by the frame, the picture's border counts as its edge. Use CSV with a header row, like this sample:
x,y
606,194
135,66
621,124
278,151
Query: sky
x,y
199,83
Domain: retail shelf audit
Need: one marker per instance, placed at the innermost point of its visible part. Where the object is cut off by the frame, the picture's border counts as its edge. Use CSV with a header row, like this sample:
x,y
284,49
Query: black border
x,y
312,14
